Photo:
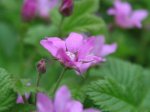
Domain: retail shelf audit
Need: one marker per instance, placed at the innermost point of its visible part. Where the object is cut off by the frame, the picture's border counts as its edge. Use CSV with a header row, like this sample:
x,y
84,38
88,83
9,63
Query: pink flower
x,y
29,9
76,52
45,6
125,17
62,103
27,96
20,99
41,8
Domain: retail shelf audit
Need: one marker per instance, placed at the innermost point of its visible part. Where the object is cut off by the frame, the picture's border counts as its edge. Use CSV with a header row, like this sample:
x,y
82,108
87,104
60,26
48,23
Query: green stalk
x,y
37,85
59,79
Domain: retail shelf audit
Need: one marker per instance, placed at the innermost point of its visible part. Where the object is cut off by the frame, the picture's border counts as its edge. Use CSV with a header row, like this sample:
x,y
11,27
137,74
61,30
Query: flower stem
x,y
24,99
38,80
59,79
37,85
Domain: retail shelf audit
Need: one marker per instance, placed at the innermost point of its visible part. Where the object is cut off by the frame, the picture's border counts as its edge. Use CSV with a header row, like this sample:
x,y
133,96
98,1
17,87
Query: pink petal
x,y
29,9
138,16
111,11
87,62
73,42
99,42
53,3
20,99
108,49
74,106
43,8
123,21
53,44
82,67
44,104
61,99
122,8
90,59
87,47
64,58
91,110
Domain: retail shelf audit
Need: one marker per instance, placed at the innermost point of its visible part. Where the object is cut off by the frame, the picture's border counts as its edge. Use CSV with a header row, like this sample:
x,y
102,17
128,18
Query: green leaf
x,y
86,7
36,33
82,19
8,39
21,87
123,89
84,23
7,95
23,108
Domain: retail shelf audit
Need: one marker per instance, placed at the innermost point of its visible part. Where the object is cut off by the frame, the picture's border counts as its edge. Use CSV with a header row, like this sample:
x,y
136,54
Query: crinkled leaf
x,y
125,87
7,95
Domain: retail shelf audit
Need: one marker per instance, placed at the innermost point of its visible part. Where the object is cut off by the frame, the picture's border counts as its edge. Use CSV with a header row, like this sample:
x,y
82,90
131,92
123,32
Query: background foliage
x,y
115,86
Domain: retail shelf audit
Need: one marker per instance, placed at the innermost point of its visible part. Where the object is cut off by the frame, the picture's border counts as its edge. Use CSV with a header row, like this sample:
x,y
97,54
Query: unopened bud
x,y
29,9
66,7
41,66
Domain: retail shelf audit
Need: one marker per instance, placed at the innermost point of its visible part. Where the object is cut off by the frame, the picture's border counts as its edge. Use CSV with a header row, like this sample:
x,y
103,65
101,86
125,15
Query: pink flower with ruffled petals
x,y
61,103
29,9
125,17
78,52
40,8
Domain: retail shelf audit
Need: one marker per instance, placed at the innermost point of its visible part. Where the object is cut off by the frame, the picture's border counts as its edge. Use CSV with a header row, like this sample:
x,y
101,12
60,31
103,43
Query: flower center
x,y
71,55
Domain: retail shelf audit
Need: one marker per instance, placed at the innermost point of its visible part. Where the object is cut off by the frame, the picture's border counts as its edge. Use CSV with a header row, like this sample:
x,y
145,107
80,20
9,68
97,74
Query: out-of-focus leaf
x,y
85,23
7,95
8,39
36,33
22,87
23,108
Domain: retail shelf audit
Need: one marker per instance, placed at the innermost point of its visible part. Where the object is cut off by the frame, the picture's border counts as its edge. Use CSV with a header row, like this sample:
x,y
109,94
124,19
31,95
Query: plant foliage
x,y
7,95
125,88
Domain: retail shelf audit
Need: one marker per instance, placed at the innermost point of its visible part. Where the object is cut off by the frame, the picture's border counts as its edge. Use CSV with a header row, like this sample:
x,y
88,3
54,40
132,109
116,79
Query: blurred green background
x,y
19,41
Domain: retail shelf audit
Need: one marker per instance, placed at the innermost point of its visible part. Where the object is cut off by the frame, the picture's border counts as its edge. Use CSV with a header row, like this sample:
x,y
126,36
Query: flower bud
x,y
41,66
29,9
66,7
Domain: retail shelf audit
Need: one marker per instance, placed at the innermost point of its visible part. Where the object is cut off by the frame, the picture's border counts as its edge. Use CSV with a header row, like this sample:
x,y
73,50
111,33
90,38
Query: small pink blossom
x,y
27,96
125,17
41,8
61,103
45,6
29,9
78,52
20,99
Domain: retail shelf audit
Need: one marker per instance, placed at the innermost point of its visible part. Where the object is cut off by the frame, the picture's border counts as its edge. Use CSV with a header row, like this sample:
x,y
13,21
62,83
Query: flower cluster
x,y
78,52
41,8
62,103
125,17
